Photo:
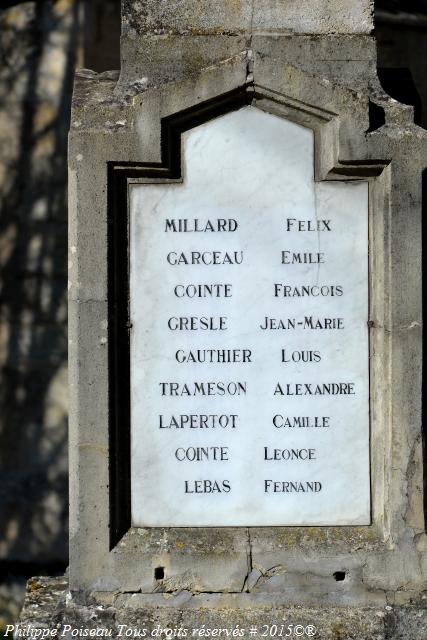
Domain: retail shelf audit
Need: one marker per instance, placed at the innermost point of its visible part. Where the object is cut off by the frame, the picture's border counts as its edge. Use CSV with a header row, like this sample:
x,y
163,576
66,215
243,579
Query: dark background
x,y
41,43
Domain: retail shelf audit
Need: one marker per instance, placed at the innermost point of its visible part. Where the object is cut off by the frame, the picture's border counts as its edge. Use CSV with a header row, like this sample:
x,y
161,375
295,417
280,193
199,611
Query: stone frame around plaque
x,y
120,177
108,555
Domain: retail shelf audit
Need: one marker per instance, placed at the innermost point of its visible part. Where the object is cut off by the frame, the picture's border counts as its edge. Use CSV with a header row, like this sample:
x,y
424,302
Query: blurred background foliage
x,y
41,43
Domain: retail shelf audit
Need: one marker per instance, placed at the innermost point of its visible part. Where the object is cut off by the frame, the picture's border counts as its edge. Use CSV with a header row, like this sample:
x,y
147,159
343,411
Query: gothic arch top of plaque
x,y
249,342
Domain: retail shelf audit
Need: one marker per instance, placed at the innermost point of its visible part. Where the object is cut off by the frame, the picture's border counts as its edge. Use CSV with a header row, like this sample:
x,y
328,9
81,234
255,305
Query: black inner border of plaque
x,y
119,174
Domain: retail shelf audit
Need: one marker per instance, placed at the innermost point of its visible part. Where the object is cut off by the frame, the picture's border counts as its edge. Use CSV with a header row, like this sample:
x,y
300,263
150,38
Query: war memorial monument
x,y
245,307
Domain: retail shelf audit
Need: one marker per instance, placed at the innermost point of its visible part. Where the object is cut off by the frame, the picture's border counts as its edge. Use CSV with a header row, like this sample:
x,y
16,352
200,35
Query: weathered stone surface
x,y
173,61
225,16
148,62
201,33
345,59
381,564
47,606
215,61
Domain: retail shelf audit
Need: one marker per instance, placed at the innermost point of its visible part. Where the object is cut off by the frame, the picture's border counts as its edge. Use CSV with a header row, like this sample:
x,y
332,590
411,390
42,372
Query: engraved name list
x,y
249,339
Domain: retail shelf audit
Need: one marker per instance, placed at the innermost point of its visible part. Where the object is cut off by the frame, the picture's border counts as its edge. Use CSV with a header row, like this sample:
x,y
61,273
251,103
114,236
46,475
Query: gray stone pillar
x,y
185,63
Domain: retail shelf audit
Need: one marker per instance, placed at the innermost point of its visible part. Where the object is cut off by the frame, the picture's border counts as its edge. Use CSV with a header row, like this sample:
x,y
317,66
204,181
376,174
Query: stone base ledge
x,y
50,612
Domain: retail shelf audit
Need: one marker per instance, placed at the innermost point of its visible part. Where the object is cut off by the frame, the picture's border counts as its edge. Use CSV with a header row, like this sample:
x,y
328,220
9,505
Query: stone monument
x,y
245,294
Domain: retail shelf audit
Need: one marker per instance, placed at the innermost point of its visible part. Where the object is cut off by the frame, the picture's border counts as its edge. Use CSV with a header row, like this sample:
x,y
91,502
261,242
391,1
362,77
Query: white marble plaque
x,y
249,343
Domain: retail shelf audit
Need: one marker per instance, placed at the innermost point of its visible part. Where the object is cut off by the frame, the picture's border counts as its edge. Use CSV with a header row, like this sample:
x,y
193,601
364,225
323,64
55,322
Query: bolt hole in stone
x,y
339,576
159,573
